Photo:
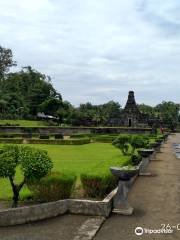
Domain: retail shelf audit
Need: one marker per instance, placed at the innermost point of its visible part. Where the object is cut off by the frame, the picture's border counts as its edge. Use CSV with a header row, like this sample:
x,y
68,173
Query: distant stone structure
x,y
131,116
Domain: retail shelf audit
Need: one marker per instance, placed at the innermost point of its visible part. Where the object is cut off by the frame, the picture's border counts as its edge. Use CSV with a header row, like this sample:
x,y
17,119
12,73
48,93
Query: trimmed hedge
x,y
46,141
11,140
53,187
104,139
96,186
18,135
60,141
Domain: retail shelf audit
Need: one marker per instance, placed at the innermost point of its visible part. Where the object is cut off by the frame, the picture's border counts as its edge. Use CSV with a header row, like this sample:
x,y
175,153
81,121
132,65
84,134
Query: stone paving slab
x,y
89,228
156,200
60,228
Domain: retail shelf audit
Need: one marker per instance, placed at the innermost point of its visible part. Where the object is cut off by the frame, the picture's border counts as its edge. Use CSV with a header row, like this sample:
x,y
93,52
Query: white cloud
x,y
98,50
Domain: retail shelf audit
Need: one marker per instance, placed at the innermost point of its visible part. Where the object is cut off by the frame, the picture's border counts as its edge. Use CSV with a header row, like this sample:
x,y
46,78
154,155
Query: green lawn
x,y
25,123
95,157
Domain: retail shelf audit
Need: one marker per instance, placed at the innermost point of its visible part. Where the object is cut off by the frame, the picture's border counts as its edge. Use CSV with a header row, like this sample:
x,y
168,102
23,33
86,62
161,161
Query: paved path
x,y
59,228
156,200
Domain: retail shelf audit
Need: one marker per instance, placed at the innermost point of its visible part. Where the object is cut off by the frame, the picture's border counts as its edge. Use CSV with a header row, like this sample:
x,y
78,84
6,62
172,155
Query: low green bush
x,y
122,142
60,141
138,142
11,140
53,187
135,159
96,186
7,135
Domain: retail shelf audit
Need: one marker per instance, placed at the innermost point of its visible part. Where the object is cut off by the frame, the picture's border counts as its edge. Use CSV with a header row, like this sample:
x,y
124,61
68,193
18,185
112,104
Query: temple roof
x,y
131,104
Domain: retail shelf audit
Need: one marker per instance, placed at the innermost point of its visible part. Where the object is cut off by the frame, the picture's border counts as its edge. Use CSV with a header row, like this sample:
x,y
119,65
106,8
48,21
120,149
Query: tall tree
x,y
6,61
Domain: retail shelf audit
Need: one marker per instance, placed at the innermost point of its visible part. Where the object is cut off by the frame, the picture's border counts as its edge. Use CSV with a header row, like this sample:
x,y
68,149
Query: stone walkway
x,y
156,200
59,228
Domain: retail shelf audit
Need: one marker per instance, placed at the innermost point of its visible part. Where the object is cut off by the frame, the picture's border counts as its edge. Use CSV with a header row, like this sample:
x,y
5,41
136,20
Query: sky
x,y
97,50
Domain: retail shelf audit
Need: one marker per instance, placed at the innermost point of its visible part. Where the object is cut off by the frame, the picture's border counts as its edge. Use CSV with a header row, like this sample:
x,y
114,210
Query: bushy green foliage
x,y
138,142
9,160
53,187
122,142
96,186
135,159
33,163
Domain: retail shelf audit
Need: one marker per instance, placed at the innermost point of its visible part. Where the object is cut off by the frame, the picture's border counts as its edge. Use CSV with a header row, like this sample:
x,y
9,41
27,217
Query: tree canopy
x,y
33,164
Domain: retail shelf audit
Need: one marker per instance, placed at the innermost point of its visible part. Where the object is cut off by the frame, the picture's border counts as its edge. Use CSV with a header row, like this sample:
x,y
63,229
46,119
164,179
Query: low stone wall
x,y
74,130
42,211
21,215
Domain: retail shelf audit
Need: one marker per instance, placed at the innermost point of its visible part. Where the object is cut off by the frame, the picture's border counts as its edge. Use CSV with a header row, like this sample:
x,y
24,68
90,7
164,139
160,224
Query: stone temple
x,y
131,116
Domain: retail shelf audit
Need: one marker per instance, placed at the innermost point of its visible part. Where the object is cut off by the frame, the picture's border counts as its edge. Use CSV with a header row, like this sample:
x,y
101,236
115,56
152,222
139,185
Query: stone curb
x,y
89,228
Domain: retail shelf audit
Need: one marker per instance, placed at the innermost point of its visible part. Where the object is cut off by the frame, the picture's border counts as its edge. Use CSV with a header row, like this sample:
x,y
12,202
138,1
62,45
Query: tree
x,y
29,89
138,142
6,61
122,143
33,163
51,106
146,109
168,113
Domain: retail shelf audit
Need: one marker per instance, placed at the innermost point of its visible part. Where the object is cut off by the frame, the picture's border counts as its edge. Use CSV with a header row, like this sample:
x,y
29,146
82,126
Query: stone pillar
x,y
121,205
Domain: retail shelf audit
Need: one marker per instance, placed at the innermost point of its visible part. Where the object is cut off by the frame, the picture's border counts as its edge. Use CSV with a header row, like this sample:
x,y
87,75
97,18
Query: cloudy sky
x,y
98,50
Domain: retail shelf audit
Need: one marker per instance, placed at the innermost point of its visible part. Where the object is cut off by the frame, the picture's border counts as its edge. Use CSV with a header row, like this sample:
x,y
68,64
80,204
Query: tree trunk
x,y
16,189
15,198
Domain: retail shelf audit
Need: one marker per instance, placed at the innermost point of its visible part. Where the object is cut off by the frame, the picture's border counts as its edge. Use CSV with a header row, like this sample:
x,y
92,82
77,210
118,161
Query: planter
x,y
123,174
156,146
120,203
145,152
143,165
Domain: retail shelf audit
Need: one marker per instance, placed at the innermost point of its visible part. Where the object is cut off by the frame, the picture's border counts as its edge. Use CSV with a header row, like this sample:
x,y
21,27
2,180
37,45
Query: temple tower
x,y
131,104
131,116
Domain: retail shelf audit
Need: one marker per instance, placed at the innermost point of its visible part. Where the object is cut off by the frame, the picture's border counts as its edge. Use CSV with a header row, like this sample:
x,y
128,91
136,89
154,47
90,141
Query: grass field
x,y
95,158
24,123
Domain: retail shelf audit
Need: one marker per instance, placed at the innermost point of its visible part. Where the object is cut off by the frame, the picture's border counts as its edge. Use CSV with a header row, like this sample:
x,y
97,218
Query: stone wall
x,y
21,215
74,130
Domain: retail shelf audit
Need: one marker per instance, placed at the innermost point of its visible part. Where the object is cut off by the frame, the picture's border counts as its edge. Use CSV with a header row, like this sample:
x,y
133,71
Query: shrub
x,y
138,142
135,159
11,140
122,142
104,139
60,141
53,187
96,186
33,163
